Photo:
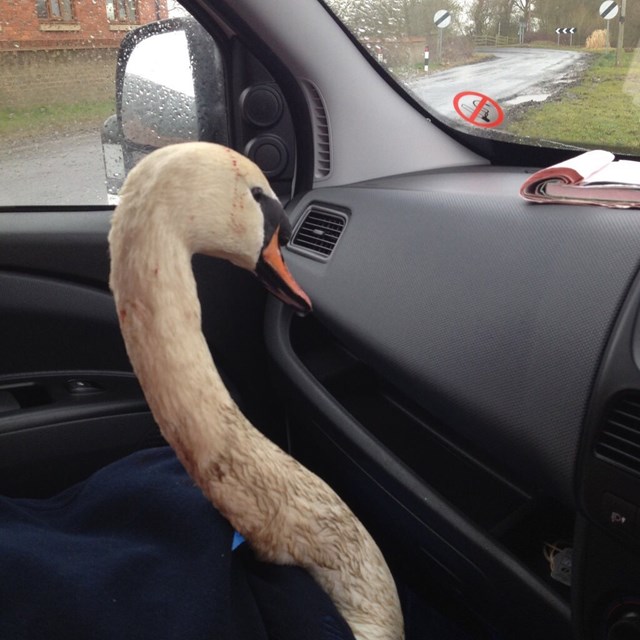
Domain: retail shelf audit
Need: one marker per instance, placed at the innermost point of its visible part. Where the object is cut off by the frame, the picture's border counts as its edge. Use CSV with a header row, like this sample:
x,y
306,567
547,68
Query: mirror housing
x,y
170,85
170,88
157,103
176,82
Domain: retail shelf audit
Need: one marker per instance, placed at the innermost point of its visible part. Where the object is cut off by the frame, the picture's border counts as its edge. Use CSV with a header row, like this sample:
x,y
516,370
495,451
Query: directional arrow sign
x,y
566,30
442,18
608,9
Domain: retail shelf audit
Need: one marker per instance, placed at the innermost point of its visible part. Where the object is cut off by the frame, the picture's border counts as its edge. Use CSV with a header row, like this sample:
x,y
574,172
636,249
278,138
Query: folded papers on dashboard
x,y
594,177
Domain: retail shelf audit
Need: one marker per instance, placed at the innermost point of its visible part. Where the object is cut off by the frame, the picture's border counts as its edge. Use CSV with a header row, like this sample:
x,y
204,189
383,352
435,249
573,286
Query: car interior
x,y
469,378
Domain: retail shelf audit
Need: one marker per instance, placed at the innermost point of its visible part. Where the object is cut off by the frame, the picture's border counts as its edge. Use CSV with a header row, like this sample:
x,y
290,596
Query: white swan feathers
x,y
204,198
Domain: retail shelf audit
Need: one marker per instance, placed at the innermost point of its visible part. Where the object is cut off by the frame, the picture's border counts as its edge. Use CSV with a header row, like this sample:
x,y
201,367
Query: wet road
x,y
510,76
57,170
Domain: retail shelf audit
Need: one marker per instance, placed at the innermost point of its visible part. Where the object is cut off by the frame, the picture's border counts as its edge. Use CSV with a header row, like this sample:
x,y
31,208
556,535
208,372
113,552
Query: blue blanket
x,y
136,552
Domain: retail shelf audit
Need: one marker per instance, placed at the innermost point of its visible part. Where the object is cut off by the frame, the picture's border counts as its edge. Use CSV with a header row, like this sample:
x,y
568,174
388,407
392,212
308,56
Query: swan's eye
x,y
257,193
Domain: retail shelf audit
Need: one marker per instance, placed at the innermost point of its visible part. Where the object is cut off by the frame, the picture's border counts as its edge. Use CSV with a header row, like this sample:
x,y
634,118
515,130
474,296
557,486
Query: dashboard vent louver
x,y
619,440
321,132
319,231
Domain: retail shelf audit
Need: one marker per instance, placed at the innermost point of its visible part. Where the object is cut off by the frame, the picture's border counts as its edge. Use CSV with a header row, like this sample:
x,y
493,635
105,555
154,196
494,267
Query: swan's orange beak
x,y
273,273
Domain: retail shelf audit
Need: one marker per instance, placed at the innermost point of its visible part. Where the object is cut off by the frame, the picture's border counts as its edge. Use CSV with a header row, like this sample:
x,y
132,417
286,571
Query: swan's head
x,y
214,201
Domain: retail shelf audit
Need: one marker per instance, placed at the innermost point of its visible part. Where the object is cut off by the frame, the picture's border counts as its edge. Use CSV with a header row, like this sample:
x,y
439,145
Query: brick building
x,y
72,24
64,51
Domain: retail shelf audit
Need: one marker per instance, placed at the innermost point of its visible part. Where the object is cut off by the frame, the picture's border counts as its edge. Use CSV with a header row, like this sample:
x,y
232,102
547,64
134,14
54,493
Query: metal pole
x,y
608,43
623,10
440,45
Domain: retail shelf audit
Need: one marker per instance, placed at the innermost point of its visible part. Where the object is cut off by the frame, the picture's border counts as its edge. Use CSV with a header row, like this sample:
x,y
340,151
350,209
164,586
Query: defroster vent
x,y
321,131
319,231
619,440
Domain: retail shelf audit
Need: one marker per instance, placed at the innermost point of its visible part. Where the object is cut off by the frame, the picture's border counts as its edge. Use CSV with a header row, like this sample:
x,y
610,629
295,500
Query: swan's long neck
x,y
287,513
238,469
160,317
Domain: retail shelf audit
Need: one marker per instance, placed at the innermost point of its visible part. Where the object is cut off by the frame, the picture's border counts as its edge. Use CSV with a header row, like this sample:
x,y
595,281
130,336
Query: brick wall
x,y
64,76
54,62
20,27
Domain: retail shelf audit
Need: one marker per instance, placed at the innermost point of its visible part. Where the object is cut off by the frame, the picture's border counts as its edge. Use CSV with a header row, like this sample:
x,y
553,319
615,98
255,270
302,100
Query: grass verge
x,y
601,111
45,120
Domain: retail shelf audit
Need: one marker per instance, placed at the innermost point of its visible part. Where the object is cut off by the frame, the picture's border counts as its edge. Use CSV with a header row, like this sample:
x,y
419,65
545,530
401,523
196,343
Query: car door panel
x,y
69,402
49,324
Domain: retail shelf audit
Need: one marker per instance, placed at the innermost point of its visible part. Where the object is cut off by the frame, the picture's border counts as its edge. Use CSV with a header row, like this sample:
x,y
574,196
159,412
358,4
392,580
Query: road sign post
x,y
442,19
623,10
565,30
608,10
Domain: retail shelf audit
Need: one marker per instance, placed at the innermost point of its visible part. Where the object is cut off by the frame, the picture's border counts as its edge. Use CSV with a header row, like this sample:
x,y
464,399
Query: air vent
x,y
319,231
619,439
321,132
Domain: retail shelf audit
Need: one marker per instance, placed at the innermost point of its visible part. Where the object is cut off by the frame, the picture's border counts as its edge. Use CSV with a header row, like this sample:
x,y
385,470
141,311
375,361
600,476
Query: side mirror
x,y
175,83
170,88
158,104
170,85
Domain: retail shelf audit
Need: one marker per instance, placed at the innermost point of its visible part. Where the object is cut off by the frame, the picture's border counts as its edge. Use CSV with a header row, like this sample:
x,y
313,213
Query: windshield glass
x,y
552,73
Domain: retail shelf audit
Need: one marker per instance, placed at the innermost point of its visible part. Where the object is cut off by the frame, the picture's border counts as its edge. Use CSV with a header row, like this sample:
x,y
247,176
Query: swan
x,y
201,197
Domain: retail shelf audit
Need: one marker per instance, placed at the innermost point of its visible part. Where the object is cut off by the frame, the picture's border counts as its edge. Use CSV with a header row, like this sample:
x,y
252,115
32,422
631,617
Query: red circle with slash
x,y
478,109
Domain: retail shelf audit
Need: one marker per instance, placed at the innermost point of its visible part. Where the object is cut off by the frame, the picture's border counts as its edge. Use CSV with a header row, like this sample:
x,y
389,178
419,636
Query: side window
x,y
58,63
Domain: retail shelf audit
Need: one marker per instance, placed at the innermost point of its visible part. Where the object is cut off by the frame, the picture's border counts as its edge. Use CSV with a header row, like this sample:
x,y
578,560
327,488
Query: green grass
x,y
49,119
598,112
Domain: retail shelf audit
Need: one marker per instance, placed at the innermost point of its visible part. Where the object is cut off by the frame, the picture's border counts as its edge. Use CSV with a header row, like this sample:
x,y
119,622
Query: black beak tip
x,y
303,310
300,306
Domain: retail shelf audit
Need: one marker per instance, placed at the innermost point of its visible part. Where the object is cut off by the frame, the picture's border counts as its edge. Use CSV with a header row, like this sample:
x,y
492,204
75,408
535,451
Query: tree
x,y
383,19
480,14
485,16
525,7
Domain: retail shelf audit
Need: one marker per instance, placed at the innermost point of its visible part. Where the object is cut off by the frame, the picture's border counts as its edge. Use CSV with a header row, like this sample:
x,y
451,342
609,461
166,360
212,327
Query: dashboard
x,y
465,352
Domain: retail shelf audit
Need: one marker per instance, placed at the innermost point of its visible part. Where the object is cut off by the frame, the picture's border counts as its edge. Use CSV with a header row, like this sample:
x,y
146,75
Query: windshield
x,y
550,73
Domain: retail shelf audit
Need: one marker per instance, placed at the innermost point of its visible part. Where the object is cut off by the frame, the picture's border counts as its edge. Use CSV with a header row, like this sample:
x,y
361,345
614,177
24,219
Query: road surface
x,y
509,77
55,170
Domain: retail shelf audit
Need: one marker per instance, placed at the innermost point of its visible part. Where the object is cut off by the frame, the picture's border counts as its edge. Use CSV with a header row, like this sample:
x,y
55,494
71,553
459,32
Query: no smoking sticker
x,y
478,109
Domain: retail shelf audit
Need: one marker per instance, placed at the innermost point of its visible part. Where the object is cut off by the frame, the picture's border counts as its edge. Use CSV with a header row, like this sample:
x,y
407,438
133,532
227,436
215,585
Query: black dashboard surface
x,y
491,313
